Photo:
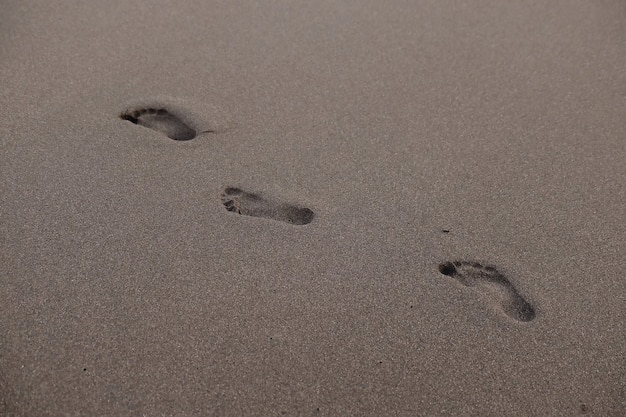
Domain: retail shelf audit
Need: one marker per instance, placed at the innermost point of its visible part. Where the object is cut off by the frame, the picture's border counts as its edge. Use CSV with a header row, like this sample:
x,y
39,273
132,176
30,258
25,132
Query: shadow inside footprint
x,y
161,121
489,280
249,204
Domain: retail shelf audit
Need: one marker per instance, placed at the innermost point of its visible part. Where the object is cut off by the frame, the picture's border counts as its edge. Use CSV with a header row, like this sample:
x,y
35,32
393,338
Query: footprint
x,y
489,280
162,121
248,204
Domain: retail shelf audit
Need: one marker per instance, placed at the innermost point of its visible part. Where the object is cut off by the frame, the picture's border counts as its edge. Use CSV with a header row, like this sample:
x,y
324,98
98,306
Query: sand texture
x,y
321,208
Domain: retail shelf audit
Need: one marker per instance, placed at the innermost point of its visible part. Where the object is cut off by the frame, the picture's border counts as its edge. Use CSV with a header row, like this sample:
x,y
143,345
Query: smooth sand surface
x,y
373,208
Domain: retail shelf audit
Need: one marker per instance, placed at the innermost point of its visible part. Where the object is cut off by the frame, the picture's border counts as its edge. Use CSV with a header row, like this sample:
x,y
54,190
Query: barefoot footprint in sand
x,y
248,204
161,120
489,280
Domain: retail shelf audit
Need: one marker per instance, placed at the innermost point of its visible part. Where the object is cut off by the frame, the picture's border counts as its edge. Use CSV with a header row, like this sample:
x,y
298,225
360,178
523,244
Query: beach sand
x,y
373,209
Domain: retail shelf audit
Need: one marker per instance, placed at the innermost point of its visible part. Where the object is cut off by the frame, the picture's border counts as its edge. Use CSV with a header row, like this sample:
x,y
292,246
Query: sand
x,y
375,209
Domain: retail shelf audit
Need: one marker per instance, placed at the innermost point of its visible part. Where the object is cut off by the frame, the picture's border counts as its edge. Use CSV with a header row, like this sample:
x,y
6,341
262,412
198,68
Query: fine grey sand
x,y
330,208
